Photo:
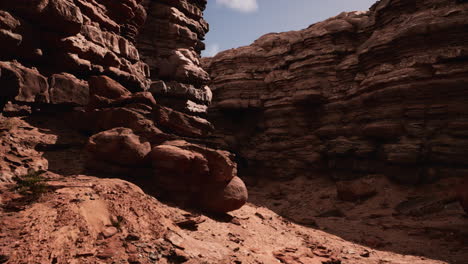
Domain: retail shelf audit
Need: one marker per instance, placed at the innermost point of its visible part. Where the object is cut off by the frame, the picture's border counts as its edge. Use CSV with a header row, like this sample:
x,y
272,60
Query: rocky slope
x,y
91,89
382,91
78,218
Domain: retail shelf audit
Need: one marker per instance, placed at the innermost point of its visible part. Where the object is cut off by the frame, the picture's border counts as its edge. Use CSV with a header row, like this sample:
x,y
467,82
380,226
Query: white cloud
x,y
211,50
245,6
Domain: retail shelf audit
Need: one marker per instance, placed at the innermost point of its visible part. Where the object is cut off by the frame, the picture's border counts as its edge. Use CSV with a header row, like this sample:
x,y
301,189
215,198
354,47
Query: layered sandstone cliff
x,y
125,71
89,89
170,43
383,91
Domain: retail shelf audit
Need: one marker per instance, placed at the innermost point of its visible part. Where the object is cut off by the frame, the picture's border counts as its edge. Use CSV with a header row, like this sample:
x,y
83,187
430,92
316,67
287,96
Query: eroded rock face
x,y
78,59
170,43
82,38
382,91
23,84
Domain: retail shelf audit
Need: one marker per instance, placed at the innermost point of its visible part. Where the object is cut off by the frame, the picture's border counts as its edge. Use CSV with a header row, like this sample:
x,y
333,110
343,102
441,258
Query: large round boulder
x,y
224,198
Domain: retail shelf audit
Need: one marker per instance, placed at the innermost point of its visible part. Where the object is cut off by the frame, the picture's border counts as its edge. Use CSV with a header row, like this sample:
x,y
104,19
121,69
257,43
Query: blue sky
x,y
235,23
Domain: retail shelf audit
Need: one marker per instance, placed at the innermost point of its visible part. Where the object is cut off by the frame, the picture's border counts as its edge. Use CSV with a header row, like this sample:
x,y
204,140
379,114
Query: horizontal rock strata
x,y
170,43
361,93
127,72
79,37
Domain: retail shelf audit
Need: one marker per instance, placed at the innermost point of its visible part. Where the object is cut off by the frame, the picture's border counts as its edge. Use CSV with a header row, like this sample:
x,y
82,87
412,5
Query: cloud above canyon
x,y
244,6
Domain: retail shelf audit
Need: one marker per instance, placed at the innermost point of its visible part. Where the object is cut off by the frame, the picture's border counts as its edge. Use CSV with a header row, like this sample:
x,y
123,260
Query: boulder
x,y
63,16
200,175
22,84
119,146
186,160
65,88
224,198
171,161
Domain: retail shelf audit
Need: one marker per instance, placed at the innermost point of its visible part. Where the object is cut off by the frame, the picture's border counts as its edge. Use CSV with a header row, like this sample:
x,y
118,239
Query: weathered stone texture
x,y
359,93
170,44
93,60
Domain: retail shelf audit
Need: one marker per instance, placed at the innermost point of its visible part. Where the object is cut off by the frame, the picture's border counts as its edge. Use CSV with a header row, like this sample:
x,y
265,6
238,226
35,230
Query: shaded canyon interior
x,y
351,136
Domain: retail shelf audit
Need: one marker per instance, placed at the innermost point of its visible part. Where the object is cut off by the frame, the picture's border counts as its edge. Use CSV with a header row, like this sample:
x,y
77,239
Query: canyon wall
x,y
53,47
170,43
126,71
377,92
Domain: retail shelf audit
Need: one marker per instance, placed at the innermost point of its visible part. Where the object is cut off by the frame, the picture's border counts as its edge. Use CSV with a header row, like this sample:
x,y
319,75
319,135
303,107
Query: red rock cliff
x,y
170,44
382,91
127,71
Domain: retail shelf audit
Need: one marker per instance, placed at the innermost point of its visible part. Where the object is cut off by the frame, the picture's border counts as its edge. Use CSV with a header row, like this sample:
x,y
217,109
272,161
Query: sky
x,y
235,23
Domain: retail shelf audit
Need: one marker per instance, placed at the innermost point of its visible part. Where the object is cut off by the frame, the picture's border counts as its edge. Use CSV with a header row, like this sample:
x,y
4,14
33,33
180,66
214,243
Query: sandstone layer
x,y
362,93
126,71
170,43
114,88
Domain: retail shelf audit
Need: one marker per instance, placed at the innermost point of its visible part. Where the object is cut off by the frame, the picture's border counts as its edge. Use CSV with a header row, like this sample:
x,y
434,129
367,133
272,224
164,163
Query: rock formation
x,y
128,72
114,88
377,92
170,43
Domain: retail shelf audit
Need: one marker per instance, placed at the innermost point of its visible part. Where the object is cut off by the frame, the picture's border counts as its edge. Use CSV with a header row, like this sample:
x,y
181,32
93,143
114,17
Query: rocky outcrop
x,y
119,146
198,175
170,43
82,38
190,174
361,93
87,38
127,72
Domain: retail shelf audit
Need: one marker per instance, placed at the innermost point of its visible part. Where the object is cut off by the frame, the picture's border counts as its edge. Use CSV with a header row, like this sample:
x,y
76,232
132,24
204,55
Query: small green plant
x,y
32,184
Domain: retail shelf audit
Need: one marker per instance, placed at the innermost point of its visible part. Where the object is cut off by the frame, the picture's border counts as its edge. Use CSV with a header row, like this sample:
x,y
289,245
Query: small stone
x,y
134,259
153,256
223,199
175,239
109,231
131,248
105,253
